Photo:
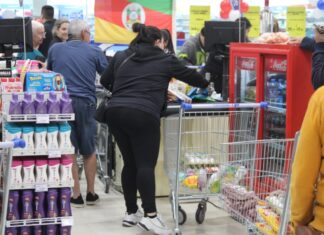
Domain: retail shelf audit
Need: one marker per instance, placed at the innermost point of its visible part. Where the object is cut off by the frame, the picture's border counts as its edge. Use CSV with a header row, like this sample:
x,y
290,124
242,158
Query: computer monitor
x,y
223,33
12,35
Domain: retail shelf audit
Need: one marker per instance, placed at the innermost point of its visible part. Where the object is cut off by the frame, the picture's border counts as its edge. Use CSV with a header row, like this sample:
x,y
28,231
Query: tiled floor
x,y
105,218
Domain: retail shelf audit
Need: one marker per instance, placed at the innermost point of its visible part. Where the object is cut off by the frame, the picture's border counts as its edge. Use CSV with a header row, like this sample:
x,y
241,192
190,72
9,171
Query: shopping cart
x,y
5,174
192,153
255,184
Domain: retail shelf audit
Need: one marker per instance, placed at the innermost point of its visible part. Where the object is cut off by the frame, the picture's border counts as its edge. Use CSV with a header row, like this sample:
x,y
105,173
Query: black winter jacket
x,y
142,81
318,66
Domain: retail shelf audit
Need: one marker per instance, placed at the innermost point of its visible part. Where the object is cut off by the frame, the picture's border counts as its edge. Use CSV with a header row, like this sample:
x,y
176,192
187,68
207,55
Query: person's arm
x,y
49,59
187,54
190,76
306,166
108,76
308,44
318,61
102,62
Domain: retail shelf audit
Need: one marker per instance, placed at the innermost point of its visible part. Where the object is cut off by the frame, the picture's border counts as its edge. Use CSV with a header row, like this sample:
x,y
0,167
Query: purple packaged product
x,y
53,105
39,205
66,103
40,104
65,205
25,230
27,204
15,105
13,209
38,230
51,229
11,231
65,230
28,106
52,197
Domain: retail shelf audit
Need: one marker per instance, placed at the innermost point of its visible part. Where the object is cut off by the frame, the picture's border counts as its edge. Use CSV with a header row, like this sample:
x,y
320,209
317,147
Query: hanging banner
x,y
114,18
296,21
253,15
198,16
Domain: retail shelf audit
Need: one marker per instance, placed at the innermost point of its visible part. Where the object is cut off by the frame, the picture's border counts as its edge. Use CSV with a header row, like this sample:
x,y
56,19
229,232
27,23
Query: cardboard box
x,y
44,81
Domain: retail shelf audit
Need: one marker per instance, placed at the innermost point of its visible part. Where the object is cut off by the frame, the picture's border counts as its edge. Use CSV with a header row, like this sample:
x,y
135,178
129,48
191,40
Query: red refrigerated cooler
x,y
278,74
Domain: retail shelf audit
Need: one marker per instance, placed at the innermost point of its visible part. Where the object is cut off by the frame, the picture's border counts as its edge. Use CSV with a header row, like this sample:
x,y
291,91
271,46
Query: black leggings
x,y
137,134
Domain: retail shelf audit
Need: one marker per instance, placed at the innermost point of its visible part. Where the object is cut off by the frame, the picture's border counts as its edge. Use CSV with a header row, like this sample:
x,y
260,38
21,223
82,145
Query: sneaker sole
x,y
77,205
128,224
92,203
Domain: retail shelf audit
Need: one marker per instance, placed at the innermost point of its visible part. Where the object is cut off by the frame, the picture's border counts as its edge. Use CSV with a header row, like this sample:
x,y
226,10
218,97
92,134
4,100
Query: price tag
x,y
67,221
54,153
41,188
42,119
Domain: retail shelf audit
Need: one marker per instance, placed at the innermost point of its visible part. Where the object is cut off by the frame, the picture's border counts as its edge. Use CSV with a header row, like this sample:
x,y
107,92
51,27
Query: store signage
x,y
246,63
253,15
4,73
41,188
42,119
198,16
276,64
296,21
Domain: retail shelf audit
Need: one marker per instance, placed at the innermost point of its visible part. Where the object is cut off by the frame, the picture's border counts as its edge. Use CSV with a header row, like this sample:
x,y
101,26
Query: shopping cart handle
x,y
15,143
187,106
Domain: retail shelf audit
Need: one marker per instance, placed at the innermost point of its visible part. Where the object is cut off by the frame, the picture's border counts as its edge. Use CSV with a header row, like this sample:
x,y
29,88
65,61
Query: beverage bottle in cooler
x,y
273,89
66,103
26,230
51,229
27,204
65,195
54,172
28,106
40,104
13,206
52,198
11,231
15,105
53,105
39,205
28,170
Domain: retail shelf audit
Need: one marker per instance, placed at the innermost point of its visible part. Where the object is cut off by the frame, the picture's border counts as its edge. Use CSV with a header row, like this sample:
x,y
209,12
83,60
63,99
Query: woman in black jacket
x,y
139,78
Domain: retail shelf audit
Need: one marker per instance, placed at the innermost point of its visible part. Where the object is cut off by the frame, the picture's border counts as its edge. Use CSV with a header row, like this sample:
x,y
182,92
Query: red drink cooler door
x,y
245,79
275,94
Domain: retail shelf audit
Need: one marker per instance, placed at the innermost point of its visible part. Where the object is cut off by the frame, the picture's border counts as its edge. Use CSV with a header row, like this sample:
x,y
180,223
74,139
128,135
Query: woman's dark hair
x,y
246,22
145,34
166,36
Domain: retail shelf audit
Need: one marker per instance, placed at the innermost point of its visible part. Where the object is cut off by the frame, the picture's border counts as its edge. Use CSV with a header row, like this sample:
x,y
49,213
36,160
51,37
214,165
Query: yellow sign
x,y
296,21
198,16
254,17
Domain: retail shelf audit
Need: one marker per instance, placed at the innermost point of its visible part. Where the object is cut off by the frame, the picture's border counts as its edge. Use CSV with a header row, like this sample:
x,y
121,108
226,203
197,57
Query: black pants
x,y
137,134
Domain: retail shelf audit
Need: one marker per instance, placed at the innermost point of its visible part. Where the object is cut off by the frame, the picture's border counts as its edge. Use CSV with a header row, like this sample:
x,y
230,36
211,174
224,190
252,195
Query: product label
x,y
41,187
276,64
246,63
54,153
68,221
42,119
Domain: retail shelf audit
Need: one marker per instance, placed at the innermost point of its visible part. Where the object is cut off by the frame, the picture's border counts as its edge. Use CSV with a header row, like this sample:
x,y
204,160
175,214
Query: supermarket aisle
x,y
105,218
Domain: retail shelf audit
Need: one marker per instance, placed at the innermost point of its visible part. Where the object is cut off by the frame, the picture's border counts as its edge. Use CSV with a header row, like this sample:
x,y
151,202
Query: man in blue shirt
x,y
78,62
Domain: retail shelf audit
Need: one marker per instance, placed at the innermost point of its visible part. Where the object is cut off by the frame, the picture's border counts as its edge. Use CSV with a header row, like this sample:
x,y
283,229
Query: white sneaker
x,y
132,219
156,225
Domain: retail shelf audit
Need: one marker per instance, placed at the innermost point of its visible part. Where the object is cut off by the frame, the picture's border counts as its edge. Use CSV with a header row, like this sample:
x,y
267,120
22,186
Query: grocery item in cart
x,y
191,181
13,206
265,229
27,204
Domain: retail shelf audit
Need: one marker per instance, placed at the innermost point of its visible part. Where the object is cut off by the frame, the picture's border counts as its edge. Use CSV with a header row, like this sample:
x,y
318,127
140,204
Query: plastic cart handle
x,y
187,106
15,143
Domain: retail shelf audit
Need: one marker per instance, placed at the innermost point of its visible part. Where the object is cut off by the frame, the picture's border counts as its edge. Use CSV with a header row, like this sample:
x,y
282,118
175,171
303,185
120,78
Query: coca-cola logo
x,y
276,64
247,64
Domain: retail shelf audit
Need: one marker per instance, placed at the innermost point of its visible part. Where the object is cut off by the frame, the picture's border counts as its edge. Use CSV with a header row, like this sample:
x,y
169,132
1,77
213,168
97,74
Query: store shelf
x,y
39,118
57,153
43,187
65,221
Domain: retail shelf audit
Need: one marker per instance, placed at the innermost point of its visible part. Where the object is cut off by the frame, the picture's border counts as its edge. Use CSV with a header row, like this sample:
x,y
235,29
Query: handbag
x,y
306,230
100,114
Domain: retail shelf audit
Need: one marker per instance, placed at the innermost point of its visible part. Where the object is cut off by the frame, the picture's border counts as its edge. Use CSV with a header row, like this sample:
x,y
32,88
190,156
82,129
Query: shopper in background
x,y
38,37
78,62
60,32
167,42
192,51
139,78
47,17
307,182
247,25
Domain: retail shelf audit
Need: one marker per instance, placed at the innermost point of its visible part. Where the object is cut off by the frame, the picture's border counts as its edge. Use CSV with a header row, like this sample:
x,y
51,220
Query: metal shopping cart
x,y
5,174
255,184
192,153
